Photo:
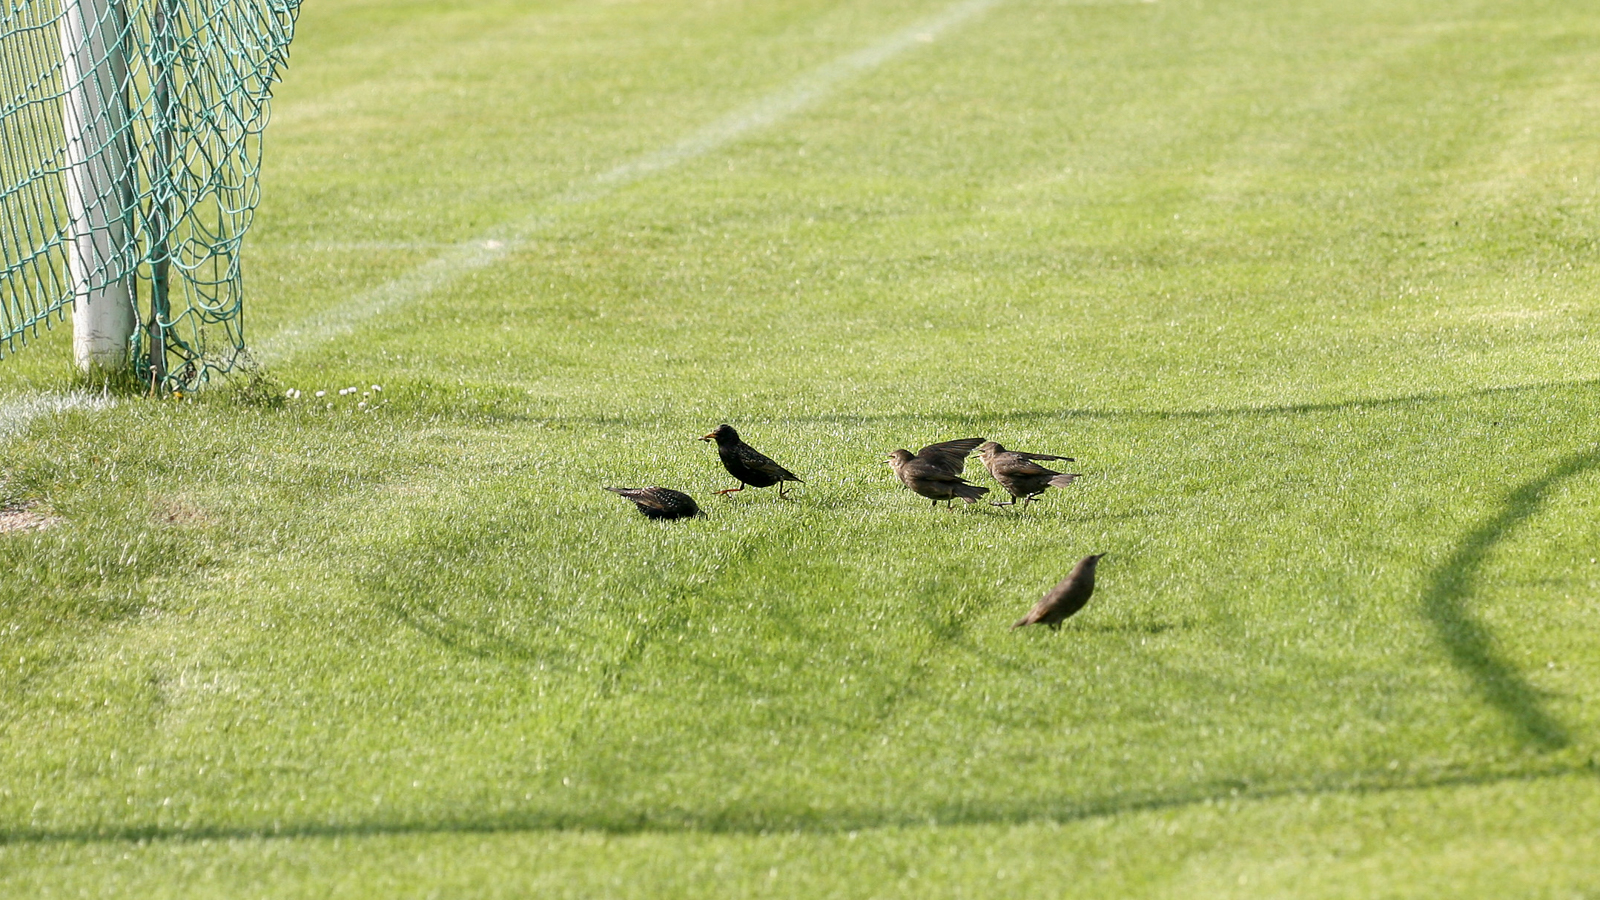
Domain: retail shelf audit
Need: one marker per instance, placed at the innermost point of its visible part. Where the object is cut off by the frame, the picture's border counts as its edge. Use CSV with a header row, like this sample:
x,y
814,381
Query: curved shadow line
x,y
947,628
1469,643
1282,409
459,635
753,823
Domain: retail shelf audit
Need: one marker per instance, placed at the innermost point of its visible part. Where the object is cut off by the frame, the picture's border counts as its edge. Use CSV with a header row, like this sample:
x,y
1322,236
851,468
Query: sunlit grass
x,y
1307,289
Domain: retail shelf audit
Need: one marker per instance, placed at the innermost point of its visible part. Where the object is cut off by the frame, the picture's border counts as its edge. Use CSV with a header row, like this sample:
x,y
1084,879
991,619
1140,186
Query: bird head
x,y
898,458
989,448
723,434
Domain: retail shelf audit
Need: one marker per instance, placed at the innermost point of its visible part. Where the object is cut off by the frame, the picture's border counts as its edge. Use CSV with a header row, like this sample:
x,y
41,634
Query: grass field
x,y
1309,289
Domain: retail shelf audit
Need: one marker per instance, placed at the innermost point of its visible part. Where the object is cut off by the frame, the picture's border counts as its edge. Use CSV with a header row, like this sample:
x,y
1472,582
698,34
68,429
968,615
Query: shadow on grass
x,y
1295,408
1468,642
461,635
1147,627
1025,415
947,625
761,822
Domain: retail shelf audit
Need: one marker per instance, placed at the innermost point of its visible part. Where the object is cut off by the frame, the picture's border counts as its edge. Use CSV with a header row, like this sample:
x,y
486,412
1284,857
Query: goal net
x,y
130,144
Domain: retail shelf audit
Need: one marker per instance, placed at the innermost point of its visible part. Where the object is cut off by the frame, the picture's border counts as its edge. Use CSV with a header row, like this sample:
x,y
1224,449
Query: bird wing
x,y
1032,616
1045,456
929,471
950,456
658,498
1016,465
758,461
652,497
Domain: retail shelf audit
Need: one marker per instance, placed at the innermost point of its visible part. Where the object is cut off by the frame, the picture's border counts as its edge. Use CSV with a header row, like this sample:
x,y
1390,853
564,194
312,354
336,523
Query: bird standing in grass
x,y
935,471
660,502
747,464
1020,475
1065,598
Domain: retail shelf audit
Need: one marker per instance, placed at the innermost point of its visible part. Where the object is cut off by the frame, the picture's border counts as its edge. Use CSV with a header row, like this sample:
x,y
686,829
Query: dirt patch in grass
x,y
181,512
25,517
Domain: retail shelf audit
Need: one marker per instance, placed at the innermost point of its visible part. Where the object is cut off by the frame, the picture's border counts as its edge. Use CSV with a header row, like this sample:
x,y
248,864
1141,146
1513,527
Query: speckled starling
x,y
660,502
935,471
746,463
1065,598
1020,475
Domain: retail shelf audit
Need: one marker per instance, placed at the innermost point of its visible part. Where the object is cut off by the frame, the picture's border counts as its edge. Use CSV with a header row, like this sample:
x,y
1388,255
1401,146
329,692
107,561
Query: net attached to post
x,y
130,144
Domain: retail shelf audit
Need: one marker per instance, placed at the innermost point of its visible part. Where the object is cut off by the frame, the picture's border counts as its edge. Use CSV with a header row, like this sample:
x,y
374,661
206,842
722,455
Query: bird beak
x,y
708,437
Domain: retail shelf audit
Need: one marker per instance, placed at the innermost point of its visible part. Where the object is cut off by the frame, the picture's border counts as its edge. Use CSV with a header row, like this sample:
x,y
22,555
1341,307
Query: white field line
x,y
17,413
470,256
461,259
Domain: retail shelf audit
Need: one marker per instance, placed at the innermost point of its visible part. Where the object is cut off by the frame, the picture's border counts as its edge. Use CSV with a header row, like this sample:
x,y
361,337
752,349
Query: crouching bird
x,y
1066,598
660,502
935,471
1020,475
746,463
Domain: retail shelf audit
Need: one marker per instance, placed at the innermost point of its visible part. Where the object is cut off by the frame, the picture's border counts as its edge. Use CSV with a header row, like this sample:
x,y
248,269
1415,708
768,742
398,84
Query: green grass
x,y
1307,288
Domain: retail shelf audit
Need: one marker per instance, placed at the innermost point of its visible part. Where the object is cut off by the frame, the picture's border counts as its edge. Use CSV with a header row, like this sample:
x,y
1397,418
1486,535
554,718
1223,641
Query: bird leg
x,y
731,490
1011,502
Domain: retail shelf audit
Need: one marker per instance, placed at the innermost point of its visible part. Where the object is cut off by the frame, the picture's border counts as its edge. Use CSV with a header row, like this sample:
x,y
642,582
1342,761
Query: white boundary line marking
x,y
470,256
17,412
457,260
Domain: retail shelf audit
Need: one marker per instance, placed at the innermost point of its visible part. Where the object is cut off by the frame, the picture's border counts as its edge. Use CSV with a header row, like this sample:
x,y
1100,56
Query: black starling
x,y
935,471
1020,475
1065,598
660,502
746,464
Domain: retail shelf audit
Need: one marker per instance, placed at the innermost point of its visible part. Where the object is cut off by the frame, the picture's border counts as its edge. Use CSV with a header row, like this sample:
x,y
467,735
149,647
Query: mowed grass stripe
x,y
463,259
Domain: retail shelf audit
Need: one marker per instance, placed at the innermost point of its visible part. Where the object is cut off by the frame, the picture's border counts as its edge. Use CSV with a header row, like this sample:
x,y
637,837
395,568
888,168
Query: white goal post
x,y
99,188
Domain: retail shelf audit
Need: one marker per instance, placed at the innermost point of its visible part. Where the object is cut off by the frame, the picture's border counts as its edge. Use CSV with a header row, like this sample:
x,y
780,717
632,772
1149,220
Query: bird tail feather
x,y
1064,480
970,492
1019,623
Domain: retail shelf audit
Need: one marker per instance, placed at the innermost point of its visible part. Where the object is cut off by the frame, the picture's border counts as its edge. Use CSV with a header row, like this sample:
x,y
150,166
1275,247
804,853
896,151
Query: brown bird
x,y
660,502
935,471
1066,598
747,464
1020,475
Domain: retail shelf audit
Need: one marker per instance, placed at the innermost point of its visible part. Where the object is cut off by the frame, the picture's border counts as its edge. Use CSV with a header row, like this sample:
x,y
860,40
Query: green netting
x,y
130,142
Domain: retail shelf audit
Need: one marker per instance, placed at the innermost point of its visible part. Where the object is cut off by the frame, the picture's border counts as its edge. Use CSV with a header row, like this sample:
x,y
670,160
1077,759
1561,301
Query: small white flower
x,y
322,393
376,388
